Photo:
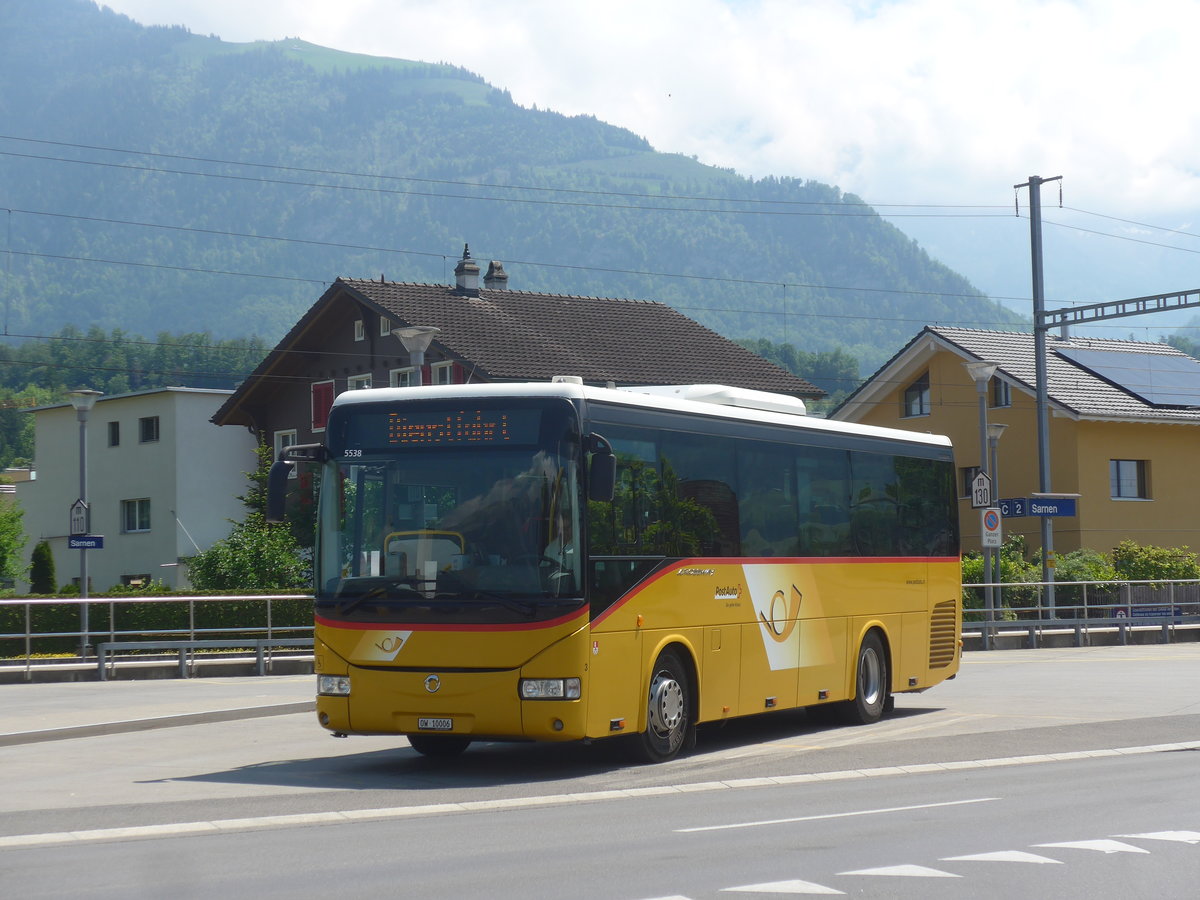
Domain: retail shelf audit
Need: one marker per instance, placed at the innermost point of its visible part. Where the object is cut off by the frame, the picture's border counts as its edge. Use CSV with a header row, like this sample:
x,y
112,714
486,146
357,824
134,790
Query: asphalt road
x,y
1073,748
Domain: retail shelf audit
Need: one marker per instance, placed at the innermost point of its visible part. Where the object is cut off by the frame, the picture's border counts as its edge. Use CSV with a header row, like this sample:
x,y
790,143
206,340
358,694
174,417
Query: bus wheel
x,y
669,725
439,746
870,683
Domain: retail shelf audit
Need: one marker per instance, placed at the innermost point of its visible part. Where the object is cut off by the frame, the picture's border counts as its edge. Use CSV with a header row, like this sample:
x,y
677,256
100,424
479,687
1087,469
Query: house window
x,y
916,398
284,439
322,399
966,475
135,515
358,382
360,333
385,326
400,377
148,429
1001,393
1128,479
114,434
442,373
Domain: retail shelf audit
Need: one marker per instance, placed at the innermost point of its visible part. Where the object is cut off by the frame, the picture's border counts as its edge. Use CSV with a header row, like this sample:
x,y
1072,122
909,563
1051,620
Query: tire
x,y
871,682
670,724
439,746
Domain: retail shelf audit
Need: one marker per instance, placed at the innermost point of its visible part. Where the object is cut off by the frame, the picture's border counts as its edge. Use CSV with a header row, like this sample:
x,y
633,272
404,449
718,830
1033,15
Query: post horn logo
x,y
782,621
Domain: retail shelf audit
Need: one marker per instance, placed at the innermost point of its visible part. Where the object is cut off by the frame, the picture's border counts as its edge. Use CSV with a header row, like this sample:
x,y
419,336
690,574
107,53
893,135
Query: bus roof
x,y
721,402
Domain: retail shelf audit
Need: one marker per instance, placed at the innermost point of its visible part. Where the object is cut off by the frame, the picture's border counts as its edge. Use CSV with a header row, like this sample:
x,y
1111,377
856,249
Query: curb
x,y
133,725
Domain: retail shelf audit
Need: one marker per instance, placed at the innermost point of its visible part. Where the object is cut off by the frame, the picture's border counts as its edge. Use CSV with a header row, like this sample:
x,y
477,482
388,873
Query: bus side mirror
x,y
602,473
281,471
277,479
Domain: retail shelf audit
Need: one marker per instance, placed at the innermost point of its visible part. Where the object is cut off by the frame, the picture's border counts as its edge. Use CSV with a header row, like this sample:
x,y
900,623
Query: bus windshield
x,y
443,515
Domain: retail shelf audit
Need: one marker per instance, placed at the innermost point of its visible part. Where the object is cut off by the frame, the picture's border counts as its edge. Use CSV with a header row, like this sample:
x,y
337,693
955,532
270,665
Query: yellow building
x,y
1124,429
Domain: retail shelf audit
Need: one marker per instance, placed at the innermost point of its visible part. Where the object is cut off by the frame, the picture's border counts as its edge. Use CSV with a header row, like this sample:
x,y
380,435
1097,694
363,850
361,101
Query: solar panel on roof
x,y
1157,379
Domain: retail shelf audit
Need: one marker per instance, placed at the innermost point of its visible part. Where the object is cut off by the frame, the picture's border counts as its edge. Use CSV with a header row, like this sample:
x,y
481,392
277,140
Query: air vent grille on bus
x,y
942,635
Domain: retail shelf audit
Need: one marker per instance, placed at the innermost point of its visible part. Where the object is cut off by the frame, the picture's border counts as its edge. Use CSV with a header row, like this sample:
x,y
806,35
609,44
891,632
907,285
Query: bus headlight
x,y
549,688
333,685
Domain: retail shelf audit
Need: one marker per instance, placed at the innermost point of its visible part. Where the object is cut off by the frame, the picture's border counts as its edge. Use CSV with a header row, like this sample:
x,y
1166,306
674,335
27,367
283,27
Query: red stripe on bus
x,y
394,626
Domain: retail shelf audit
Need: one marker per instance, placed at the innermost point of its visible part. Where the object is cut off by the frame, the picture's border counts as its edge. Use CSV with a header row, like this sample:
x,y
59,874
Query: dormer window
x,y
916,398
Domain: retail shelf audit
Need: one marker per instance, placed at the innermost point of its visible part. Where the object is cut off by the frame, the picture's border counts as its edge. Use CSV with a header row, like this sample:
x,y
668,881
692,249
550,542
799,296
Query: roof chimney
x,y
496,278
466,274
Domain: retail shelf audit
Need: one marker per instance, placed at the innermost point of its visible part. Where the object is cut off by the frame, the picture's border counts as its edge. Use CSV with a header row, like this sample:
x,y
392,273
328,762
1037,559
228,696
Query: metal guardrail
x,y
262,639
105,651
1084,608
1095,606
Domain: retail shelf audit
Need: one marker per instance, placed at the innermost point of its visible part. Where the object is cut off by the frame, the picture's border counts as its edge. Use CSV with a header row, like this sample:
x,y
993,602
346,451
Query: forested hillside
x,y
155,180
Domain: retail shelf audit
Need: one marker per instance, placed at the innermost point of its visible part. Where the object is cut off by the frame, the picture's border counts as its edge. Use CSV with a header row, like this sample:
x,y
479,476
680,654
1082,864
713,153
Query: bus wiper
x,y
390,591
527,608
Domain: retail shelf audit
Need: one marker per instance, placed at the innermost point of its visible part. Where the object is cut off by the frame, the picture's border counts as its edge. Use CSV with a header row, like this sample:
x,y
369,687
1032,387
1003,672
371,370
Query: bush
x,y
1137,563
42,578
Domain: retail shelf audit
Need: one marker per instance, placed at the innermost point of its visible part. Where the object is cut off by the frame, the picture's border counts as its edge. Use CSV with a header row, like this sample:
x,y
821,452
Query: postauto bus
x,y
557,562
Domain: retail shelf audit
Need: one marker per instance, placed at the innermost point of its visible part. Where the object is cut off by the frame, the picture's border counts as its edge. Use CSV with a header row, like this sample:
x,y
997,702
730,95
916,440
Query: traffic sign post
x,y
79,518
981,491
991,531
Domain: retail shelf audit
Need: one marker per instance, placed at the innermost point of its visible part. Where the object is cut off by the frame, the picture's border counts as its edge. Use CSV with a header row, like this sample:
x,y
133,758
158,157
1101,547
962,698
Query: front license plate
x,y
435,724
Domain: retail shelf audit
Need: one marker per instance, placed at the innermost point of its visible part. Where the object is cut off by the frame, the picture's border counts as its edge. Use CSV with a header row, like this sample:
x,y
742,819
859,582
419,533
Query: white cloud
x,y
899,101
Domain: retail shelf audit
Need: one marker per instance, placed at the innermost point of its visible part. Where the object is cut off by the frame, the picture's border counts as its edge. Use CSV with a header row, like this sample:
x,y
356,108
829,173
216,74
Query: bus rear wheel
x,y
670,727
439,746
871,693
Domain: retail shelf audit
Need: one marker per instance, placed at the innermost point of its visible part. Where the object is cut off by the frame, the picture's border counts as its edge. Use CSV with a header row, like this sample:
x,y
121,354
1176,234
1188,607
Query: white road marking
x,y
904,872
400,812
837,815
794,886
1187,837
1103,846
1003,856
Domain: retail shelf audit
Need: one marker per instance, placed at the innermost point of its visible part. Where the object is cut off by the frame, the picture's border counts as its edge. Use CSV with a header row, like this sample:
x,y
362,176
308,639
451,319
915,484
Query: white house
x,y
163,483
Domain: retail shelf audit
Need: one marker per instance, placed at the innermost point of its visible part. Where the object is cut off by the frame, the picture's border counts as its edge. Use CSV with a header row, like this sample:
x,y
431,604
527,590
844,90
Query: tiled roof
x,y
523,335
1068,385
504,335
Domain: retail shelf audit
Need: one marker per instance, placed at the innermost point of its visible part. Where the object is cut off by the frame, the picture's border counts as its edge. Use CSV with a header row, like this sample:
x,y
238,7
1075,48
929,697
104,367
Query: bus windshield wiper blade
x,y
526,607
384,590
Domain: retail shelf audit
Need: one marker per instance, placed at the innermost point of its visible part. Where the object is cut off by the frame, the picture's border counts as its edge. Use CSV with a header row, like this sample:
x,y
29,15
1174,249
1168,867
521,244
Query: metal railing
x,y
26,647
1083,608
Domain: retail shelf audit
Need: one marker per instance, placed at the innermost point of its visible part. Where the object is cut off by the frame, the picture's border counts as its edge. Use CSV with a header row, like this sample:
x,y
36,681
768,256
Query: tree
x,y
12,539
257,554
42,577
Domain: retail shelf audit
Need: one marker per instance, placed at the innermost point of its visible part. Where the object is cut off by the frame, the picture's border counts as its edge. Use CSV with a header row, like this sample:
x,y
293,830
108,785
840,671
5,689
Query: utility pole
x,y
1040,327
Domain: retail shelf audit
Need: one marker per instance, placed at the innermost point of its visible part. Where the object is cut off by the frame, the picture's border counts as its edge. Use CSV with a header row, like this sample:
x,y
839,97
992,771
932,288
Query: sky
x,y
903,103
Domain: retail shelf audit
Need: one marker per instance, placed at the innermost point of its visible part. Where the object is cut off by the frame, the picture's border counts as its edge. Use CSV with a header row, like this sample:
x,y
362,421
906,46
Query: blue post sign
x,y
1038,506
85,542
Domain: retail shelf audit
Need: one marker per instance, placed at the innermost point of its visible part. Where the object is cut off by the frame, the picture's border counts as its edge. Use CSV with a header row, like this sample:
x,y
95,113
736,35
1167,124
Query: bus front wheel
x,y
439,746
670,727
870,683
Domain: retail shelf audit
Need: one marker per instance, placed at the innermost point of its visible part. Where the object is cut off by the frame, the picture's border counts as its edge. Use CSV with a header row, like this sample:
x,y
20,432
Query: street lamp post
x,y
981,373
995,431
83,400
416,340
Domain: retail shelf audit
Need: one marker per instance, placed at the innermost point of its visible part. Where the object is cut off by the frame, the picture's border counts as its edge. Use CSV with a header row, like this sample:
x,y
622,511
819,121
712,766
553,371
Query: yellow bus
x,y
560,562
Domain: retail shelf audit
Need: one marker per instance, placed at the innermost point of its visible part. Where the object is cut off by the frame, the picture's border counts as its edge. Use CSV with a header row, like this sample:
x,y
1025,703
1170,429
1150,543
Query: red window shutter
x,y
322,399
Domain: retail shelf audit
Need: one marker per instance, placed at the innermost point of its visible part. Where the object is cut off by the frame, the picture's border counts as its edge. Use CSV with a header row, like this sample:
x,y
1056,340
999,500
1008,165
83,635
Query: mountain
x,y
161,180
